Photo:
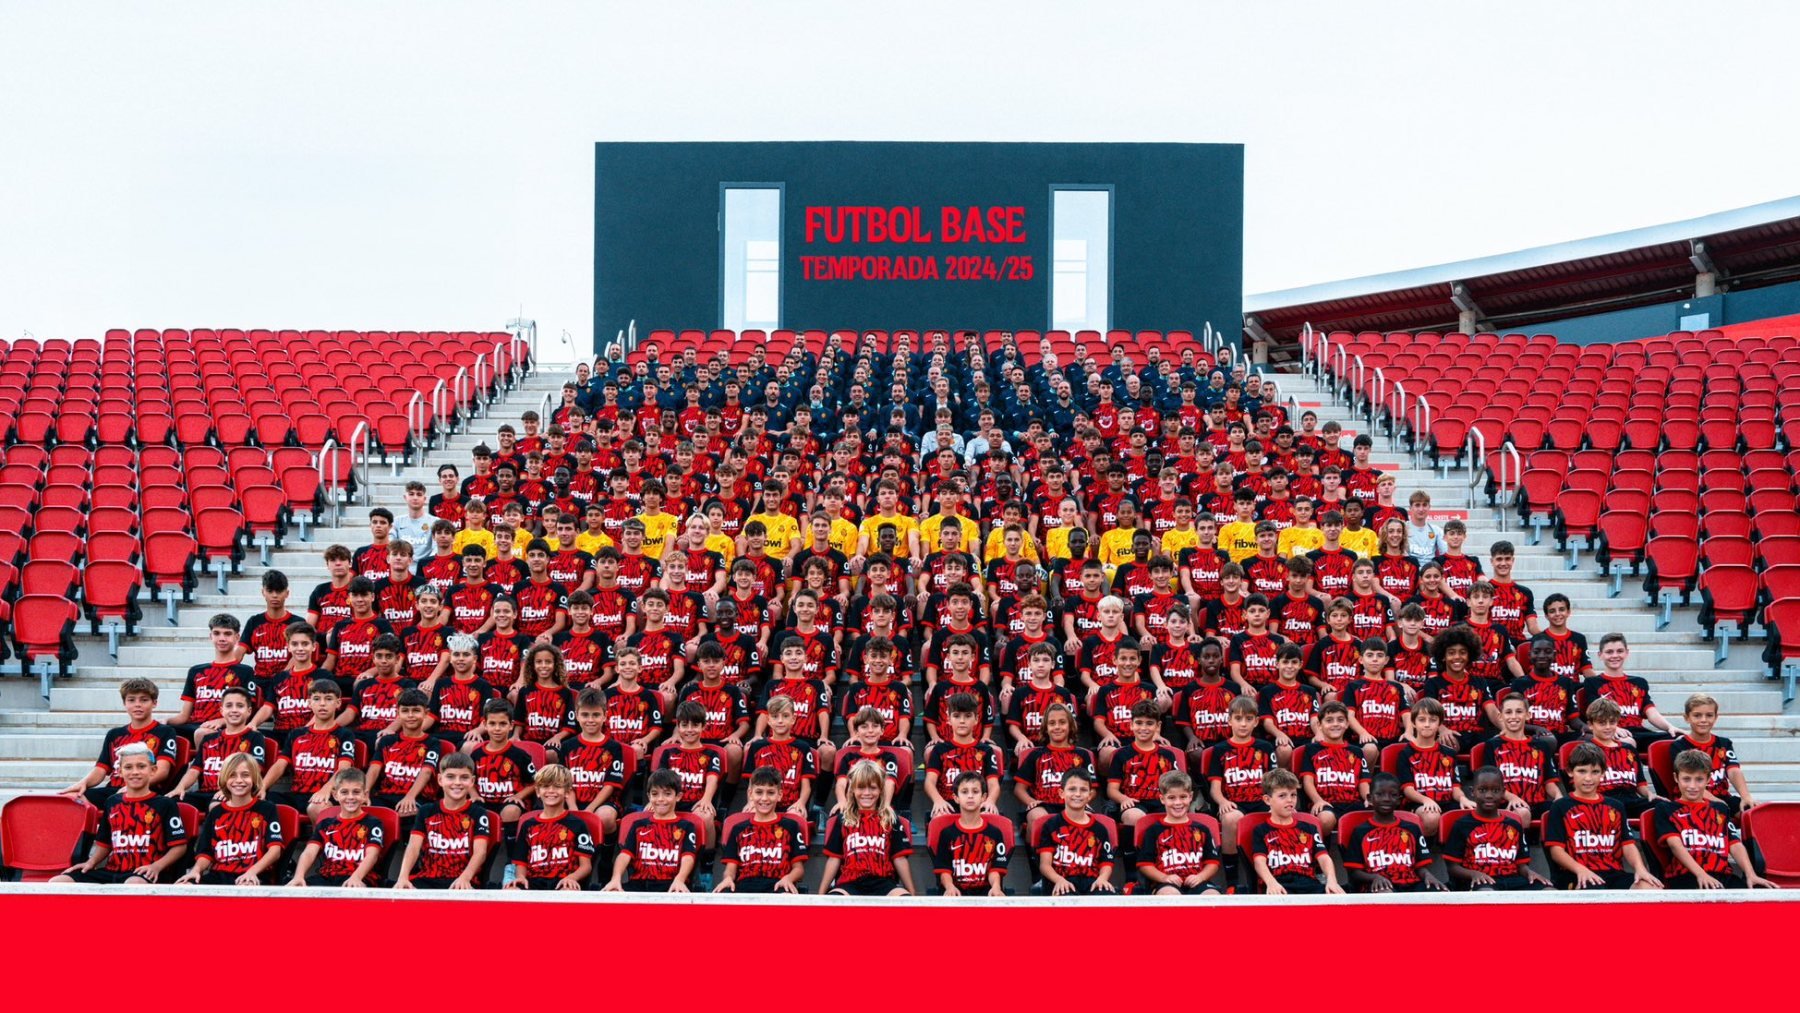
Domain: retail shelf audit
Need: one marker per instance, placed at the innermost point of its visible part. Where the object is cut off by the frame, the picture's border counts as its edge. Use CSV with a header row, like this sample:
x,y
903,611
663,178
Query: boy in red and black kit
x,y
1075,854
234,736
1700,834
1487,850
1288,854
1378,708
448,842
962,752
1427,768
206,684
1234,772
141,835
104,781
1515,607
1253,652
552,849
350,645
504,772
1550,698
1176,855
404,763
1287,705
263,641
1135,770
1638,716
1588,836
317,753
1334,777
657,854
1387,854
1728,785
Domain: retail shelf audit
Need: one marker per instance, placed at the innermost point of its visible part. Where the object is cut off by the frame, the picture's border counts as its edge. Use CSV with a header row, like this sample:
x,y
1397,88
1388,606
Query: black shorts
x,y
97,796
1146,806
104,877
215,877
648,885
315,879
201,800
1686,881
1084,886
1301,884
1511,883
1635,805
1210,886
550,884
1343,809
756,884
868,886
299,800
431,882
1259,806
1613,879
386,801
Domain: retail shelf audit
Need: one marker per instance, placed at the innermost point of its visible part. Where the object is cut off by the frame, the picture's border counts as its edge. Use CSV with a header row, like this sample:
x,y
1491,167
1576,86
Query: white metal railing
x,y
1377,397
1309,359
1508,482
418,421
1397,416
458,384
482,388
439,395
546,405
512,367
1359,384
328,454
1421,425
1342,373
1475,445
359,463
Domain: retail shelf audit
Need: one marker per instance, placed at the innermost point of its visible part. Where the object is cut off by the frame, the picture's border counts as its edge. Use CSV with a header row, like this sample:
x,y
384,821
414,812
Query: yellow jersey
x,y
843,536
1364,543
659,531
475,536
721,544
1238,539
1295,541
1115,547
1175,541
591,543
996,546
782,532
903,526
1056,542
931,527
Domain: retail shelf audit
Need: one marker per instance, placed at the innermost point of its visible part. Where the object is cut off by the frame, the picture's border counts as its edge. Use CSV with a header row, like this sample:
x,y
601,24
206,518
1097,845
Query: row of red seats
x,y
776,344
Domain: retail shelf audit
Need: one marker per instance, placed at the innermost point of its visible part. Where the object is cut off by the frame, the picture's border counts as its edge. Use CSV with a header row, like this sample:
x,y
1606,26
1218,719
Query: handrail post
x,y
1421,424
456,389
361,433
481,388
510,366
416,421
1397,415
545,409
1508,481
1377,397
328,453
1342,373
1476,447
437,408
1306,349
1362,378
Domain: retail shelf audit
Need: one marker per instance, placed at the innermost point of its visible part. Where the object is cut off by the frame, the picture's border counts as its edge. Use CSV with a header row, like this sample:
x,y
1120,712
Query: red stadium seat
x,y
1728,596
109,590
43,629
1775,826
39,833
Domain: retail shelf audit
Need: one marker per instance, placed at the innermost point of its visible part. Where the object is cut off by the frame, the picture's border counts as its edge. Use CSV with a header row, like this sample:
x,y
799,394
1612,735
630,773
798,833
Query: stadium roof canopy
x,y
1746,248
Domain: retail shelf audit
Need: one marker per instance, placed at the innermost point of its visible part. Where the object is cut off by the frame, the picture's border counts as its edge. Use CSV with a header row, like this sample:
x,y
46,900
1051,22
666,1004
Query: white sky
x,y
414,165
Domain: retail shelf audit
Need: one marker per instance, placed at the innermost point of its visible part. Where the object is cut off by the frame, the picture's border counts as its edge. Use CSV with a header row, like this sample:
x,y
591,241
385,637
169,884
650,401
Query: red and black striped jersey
x,y
1465,704
1085,610
1571,659
657,847
1176,849
545,848
765,850
864,848
1202,565
1042,768
344,842
1397,851
948,760
1099,657
1429,771
1290,850
1526,768
398,601
968,856
1335,662
1175,664
1238,768
140,830
290,692
1253,656
1552,702
350,645
1410,666
937,705
612,606
500,657
314,756
1138,772
206,685
541,604
1266,575
1078,850
503,576
593,765
544,712
633,713
1397,575
370,561
1441,613
1460,572
637,572
585,655
1300,620
570,566
265,643
1624,767
891,699
821,650
161,739
1494,847
441,572
448,838
1026,710
695,766
470,605
457,704
402,760
1594,831
794,759
726,710
1291,708
1718,749
1338,770
658,650
330,603
1705,829
377,701
209,758
1379,705
1513,604
1154,609
1630,692
1370,615
1206,708
1332,570
687,614
1113,704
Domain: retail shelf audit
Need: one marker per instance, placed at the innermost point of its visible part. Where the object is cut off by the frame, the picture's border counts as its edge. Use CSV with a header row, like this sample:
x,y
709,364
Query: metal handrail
x,y
328,453
1397,416
1343,367
1508,452
361,432
1377,397
1475,445
437,406
1421,424
1362,379
416,421
545,408
511,367
457,383
481,389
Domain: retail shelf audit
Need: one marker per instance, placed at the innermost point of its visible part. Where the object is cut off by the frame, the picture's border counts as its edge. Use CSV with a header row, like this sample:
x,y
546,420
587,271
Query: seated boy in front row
x,y
1588,836
1699,833
1288,853
1486,850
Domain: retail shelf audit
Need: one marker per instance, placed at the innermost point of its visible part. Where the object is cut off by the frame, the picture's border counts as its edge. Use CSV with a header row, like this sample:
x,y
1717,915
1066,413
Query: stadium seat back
x,y
1775,826
39,833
